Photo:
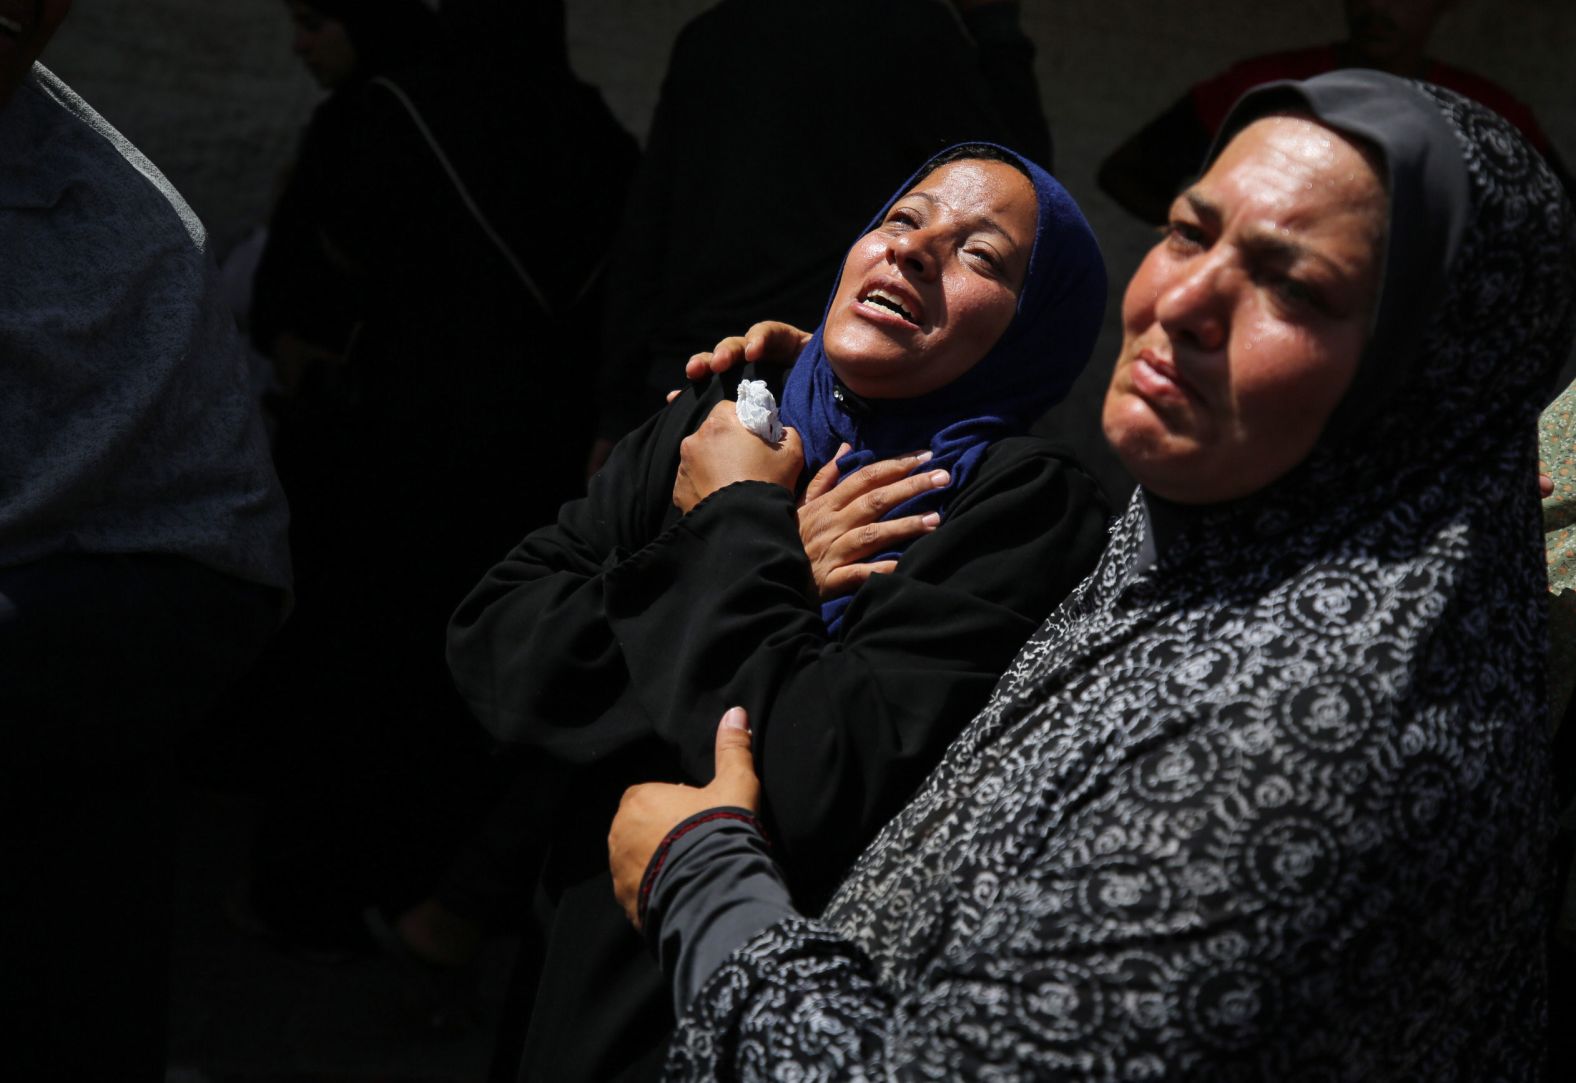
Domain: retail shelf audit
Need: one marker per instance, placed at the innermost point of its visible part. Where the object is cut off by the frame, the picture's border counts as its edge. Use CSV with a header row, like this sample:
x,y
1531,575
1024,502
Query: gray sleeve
x,y
711,888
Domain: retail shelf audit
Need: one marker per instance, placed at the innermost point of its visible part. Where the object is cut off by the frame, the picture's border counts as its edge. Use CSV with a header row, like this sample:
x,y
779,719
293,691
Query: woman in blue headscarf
x,y
707,567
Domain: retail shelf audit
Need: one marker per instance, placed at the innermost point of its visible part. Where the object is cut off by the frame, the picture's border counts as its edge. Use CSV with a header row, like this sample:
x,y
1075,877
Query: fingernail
x,y
733,719
939,478
932,520
923,457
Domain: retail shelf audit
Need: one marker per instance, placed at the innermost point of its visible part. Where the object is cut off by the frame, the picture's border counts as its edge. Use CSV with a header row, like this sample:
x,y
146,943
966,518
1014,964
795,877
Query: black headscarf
x,y
387,34
527,33
1275,804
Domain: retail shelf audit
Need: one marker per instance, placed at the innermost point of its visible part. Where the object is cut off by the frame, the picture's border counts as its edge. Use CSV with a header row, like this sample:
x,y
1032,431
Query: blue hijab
x,y
1028,370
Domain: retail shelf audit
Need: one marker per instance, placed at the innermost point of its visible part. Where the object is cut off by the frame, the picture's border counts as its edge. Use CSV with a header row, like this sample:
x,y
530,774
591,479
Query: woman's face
x,y
1243,327
924,297
323,44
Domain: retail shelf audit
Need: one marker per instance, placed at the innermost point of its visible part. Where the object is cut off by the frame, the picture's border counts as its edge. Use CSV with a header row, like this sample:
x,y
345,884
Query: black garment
x,y
525,35
106,662
614,640
464,405
470,208
731,218
299,287
446,225
386,34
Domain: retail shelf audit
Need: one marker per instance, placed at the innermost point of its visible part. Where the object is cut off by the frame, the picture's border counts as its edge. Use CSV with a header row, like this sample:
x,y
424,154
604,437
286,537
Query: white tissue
x,y
757,411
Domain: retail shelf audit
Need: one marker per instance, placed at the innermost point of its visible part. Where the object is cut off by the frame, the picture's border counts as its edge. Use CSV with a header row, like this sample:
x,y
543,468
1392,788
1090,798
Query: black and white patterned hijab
x,y
1275,803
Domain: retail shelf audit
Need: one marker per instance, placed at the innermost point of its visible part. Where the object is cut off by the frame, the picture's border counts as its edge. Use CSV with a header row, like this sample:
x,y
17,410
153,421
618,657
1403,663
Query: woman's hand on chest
x,y
841,525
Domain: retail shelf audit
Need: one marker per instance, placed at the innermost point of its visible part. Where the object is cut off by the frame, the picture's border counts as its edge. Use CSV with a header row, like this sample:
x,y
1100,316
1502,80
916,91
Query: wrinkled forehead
x,y
1302,170
1306,143
992,199
985,182
944,170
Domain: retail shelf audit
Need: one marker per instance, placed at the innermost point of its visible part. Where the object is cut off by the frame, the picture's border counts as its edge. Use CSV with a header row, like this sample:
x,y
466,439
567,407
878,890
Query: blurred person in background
x,y
143,563
468,200
303,309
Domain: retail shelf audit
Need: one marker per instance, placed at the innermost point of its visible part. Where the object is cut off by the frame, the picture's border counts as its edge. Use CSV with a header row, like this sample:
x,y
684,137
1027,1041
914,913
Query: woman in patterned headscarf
x,y
1268,796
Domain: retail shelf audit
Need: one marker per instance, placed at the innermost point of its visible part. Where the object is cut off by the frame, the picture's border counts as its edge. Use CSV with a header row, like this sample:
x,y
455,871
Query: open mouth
x,y
891,302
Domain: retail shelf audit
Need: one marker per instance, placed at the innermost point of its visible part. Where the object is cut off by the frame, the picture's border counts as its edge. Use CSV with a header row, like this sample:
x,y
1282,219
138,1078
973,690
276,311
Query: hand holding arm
x,y
722,451
847,724
648,813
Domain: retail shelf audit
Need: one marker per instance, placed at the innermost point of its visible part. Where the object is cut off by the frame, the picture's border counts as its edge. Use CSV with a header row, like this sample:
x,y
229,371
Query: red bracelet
x,y
660,856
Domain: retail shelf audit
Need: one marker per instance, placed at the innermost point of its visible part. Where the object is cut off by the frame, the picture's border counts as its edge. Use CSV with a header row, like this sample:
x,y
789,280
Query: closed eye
x,y
985,258
1194,220
1187,236
1295,291
1285,274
